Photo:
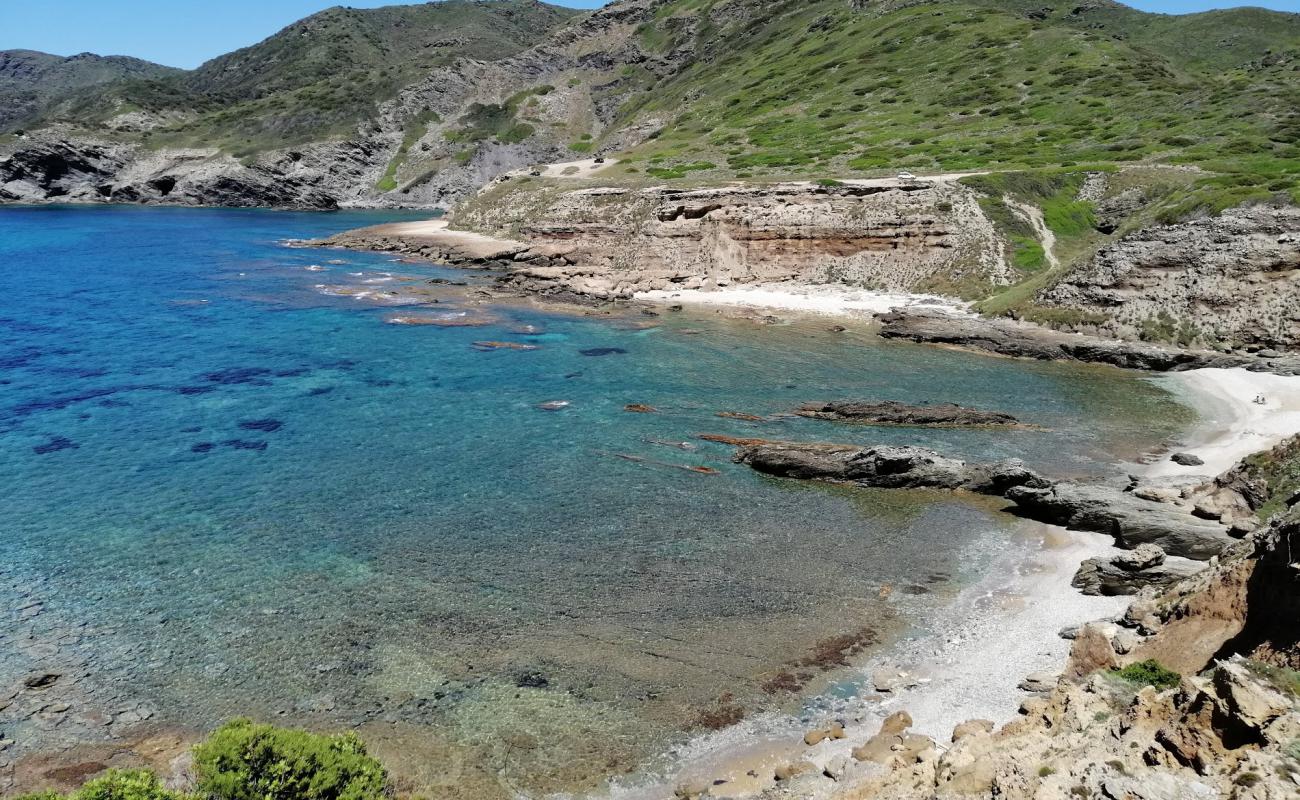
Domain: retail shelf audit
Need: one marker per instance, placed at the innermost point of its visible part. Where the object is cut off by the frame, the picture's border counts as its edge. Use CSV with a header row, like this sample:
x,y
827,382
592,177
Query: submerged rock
x,y
890,412
493,345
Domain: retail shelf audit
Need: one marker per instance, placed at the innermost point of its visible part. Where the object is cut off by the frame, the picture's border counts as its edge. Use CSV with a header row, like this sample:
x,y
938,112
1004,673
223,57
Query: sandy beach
x,y
1234,424
805,298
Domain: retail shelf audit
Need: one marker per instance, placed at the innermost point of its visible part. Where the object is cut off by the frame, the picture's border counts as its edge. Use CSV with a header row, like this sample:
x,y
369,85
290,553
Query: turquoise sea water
x,y
228,491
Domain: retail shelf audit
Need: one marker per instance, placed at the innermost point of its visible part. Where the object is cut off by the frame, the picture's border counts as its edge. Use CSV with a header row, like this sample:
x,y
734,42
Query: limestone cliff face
x,y
613,242
1234,278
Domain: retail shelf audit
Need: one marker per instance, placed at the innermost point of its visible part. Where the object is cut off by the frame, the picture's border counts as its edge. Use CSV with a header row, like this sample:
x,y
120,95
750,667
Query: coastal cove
x,y
237,487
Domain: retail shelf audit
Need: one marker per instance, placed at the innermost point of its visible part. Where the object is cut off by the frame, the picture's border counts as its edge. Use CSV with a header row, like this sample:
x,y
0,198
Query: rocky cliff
x,y
1231,279
49,167
611,242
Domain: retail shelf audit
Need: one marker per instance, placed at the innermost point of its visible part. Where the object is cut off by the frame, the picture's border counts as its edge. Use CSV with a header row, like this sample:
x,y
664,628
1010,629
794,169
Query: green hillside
x,y
31,81
826,89
320,76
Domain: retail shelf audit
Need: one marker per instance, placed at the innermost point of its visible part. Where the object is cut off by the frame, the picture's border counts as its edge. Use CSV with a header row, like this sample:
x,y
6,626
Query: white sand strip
x,y
826,299
1234,424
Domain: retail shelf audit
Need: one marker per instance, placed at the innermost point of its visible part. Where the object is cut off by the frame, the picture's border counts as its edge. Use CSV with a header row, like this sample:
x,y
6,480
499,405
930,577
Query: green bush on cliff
x,y
244,760
1149,673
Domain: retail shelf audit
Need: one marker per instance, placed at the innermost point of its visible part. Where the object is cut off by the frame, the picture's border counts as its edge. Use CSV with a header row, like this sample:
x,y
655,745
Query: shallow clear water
x,y
228,492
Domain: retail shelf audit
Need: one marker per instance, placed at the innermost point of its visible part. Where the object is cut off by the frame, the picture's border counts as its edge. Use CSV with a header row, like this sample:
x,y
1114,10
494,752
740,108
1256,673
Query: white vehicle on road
x,y
906,176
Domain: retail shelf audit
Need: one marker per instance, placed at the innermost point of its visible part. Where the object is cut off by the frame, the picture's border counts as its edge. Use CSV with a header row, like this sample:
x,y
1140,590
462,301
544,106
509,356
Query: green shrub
x,y
1149,673
829,182
244,760
130,784
135,784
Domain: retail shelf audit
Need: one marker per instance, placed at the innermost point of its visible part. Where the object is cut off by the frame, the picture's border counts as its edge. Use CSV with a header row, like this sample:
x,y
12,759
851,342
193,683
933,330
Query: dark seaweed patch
x,y
201,447
111,403
244,444
296,372
54,445
603,351
267,425
320,390
20,358
192,429
56,403
238,375
195,389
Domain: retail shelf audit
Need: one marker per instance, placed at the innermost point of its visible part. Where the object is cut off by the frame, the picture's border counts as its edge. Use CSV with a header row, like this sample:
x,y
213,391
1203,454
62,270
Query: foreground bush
x,y
244,760
1149,673
129,784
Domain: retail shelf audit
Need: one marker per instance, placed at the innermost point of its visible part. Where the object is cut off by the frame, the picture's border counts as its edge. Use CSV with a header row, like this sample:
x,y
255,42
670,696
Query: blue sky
x,y
184,33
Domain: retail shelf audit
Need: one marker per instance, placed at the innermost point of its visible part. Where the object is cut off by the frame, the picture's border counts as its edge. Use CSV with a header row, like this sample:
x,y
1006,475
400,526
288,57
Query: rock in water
x,y
1187,459
891,412
894,467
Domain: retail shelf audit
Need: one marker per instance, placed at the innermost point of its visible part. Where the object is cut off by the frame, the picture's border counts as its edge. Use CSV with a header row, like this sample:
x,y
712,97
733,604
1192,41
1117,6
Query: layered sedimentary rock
x,y
613,242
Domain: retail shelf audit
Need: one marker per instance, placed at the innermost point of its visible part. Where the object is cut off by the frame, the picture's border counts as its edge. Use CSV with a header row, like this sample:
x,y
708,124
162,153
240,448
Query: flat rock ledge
x,y
1022,340
1132,520
891,412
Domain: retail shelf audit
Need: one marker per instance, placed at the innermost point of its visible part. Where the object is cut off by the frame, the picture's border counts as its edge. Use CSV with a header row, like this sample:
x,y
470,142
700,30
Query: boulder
x,y
1090,652
1144,556
972,727
1129,573
1038,682
1187,459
